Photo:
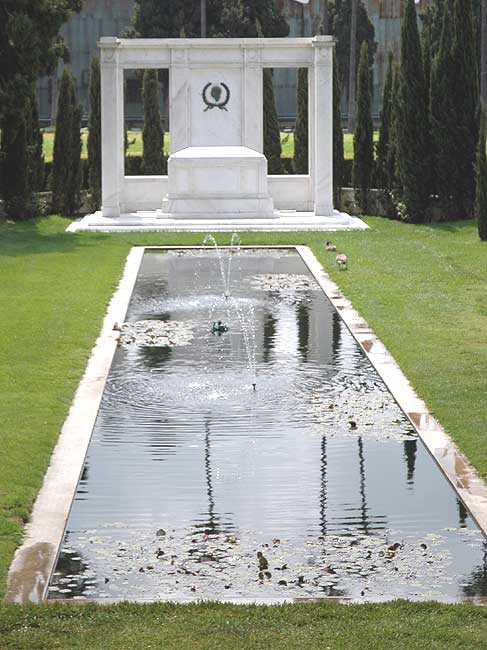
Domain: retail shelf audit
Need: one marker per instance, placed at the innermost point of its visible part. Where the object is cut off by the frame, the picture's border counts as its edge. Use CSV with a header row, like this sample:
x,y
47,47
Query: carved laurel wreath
x,y
216,104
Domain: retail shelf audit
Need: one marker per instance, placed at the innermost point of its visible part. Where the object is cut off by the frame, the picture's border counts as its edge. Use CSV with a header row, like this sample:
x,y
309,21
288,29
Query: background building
x,y
111,17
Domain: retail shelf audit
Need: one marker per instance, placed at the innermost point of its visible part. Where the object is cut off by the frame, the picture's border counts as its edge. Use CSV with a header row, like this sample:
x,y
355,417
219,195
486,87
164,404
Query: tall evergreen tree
x,y
427,63
16,192
352,66
272,134
483,53
394,125
412,137
153,162
166,19
481,183
66,164
467,93
342,32
270,16
443,109
381,175
76,177
35,145
363,161
94,135
454,109
301,129
338,157
175,18
235,20
431,19
29,45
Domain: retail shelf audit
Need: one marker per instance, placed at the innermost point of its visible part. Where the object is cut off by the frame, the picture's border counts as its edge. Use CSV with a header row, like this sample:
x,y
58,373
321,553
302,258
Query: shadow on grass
x,y
446,226
32,237
453,226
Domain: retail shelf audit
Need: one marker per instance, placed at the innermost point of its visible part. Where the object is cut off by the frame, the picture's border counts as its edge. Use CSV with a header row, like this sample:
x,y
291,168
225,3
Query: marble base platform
x,y
227,182
285,220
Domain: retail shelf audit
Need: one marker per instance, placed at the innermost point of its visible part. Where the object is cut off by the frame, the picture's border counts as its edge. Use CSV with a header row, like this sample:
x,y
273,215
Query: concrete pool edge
x,y
34,561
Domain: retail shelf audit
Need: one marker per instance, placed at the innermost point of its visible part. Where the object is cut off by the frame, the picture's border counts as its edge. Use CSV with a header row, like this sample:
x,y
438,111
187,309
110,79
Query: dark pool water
x,y
191,473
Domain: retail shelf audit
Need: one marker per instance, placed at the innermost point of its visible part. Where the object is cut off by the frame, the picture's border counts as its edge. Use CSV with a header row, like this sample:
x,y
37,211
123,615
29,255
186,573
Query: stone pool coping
x,y
35,560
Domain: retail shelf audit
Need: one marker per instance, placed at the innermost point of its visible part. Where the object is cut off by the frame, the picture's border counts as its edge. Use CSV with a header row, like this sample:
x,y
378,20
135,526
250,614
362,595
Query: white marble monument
x,y
217,173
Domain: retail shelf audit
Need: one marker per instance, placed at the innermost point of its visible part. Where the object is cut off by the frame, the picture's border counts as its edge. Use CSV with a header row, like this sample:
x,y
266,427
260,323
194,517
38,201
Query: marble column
x,y
323,126
179,100
253,119
112,128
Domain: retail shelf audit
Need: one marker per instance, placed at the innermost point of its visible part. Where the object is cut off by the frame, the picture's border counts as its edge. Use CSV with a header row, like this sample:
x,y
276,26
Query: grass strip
x,y
315,626
135,144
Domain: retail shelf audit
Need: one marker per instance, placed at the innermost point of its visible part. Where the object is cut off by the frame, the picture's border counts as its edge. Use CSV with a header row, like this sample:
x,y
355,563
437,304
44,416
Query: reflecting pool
x,y
312,485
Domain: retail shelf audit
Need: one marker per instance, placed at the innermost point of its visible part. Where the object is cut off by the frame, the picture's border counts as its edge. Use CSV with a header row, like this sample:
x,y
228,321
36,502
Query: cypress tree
x,y
442,109
427,58
94,136
176,18
272,135
391,153
15,167
272,132
467,95
381,175
29,45
34,145
427,62
338,158
269,15
66,164
412,136
152,134
481,183
342,33
235,20
431,18
363,161
165,19
62,144
76,176
454,109
301,129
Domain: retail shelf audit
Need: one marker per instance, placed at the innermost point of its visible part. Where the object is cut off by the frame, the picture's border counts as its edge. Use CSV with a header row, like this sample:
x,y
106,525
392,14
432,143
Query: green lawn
x,y
393,626
422,288
135,144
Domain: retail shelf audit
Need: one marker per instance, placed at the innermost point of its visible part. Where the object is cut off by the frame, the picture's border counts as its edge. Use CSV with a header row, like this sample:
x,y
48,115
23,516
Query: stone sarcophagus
x,y
226,181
